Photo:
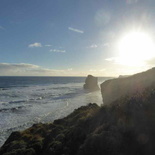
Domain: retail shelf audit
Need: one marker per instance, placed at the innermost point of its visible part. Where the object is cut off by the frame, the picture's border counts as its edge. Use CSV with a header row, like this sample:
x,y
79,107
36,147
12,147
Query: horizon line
x,y
50,76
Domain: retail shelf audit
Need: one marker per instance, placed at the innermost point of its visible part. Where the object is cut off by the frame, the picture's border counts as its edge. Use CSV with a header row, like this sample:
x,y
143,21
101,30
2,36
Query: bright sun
x,y
135,48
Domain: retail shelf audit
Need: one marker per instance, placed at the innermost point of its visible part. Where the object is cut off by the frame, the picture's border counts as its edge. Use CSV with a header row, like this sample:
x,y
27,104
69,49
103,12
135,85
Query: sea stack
x,y
91,83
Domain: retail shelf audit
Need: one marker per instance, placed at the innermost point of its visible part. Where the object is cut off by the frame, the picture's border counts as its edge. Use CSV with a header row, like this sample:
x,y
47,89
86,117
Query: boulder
x,y
91,83
133,85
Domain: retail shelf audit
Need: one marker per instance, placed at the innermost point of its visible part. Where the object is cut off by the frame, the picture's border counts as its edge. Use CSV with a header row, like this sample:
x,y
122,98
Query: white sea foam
x,y
21,107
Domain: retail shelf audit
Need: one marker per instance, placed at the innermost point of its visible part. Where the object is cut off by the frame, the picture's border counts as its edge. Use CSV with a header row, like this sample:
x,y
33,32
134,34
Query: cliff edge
x,y
124,127
128,86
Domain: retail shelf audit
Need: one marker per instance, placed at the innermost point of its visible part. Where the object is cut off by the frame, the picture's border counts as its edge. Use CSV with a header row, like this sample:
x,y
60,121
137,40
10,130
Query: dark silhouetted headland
x,y
114,89
124,127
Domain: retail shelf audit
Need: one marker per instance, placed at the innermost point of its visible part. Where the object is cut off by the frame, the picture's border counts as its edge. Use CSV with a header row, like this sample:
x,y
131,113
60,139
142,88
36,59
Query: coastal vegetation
x,y
124,127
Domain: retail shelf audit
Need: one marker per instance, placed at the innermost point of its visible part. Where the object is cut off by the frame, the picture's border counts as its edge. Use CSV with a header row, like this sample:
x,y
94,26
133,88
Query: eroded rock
x,y
91,83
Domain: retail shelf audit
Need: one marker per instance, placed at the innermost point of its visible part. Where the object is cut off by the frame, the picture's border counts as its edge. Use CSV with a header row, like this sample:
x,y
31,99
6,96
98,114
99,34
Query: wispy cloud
x,y
75,30
106,44
112,59
93,46
58,51
69,69
131,62
23,69
35,45
103,45
2,28
48,45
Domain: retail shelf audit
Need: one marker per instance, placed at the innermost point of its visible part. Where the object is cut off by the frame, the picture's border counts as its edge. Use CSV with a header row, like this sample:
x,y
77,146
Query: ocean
x,y
28,100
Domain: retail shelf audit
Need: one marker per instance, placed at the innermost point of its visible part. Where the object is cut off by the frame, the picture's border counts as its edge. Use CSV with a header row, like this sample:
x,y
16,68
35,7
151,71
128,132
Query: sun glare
x,y
135,48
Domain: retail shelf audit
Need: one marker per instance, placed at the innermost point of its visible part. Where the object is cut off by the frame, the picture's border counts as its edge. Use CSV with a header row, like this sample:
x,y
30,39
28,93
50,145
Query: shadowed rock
x,y
128,86
91,83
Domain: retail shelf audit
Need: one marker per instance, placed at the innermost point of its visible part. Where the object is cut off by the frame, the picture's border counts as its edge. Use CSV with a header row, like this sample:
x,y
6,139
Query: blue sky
x,y
69,37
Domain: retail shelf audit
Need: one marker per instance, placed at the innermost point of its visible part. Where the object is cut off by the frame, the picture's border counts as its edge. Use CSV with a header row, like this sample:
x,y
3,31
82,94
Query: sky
x,y
71,37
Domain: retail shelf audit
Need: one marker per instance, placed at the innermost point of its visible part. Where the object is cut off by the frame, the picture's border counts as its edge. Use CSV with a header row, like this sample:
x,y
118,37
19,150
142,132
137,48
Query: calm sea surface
x,y
28,100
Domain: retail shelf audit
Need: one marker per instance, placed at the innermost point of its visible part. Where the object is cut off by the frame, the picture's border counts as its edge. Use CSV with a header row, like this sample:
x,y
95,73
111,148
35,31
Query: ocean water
x,y
28,100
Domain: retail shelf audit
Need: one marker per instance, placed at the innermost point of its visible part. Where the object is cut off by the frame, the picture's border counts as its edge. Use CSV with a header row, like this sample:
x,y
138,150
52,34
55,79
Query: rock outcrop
x,y
63,136
128,86
91,83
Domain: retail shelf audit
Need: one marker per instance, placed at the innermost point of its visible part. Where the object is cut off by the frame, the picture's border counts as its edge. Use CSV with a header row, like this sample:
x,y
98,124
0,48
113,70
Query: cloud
x,y
93,46
35,45
12,69
48,45
14,65
112,59
98,72
106,44
130,62
2,28
69,69
23,69
57,51
92,70
75,30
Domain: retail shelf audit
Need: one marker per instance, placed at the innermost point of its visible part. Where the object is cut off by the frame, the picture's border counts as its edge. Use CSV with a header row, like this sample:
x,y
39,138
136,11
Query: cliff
x,y
125,127
63,136
128,86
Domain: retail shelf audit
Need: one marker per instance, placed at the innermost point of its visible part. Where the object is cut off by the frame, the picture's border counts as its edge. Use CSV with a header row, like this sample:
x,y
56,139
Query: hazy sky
x,y
70,37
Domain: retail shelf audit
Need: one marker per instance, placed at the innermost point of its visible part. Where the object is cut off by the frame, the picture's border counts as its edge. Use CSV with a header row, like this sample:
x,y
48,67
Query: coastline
x,y
120,128
28,101
125,126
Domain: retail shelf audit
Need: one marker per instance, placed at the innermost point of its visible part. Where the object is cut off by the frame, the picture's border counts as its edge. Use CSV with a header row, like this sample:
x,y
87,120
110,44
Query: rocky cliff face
x,y
128,86
125,127
91,83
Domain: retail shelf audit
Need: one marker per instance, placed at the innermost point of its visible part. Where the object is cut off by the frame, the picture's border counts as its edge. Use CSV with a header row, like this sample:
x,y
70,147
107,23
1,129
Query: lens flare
x,y
135,48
